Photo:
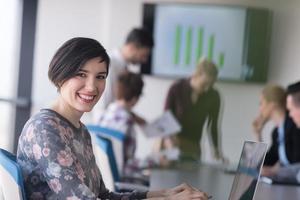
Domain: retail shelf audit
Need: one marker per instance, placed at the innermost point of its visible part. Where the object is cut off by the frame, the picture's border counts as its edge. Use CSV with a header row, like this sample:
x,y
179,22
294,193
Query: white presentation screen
x,y
183,34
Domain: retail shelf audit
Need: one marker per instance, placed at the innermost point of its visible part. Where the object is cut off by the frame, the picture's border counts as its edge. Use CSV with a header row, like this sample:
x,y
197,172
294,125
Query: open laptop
x,y
248,171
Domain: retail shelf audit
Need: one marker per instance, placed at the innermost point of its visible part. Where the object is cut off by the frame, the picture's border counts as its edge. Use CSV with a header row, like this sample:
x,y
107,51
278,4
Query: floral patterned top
x,y
57,161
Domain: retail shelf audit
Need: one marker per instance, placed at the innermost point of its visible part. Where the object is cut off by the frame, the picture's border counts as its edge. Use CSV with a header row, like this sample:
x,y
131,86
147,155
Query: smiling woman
x,y
83,90
55,149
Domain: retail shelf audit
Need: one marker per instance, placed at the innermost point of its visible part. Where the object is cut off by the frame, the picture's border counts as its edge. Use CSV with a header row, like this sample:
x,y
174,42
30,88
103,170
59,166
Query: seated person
x,y
55,150
285,147
193,101
119,116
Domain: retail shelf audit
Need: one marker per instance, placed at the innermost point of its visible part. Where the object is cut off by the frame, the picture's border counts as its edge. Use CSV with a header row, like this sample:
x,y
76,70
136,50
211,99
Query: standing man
x,y
135,51
193,101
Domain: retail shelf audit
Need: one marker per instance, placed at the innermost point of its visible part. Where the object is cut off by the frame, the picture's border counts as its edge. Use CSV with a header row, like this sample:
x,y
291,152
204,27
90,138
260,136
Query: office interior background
x,y
109,21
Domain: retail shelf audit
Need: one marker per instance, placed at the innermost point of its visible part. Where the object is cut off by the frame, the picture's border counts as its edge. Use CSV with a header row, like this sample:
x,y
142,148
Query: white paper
x,y
163,126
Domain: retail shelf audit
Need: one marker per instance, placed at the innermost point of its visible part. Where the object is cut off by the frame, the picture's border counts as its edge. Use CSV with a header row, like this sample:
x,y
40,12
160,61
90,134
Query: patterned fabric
x,y
118,118
58,162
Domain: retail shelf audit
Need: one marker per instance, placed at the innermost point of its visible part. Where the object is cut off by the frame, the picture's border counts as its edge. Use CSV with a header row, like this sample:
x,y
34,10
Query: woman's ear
x,y
58,86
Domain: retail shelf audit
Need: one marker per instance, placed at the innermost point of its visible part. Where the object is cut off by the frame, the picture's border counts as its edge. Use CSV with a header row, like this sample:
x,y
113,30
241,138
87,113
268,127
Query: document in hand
x,y
163,126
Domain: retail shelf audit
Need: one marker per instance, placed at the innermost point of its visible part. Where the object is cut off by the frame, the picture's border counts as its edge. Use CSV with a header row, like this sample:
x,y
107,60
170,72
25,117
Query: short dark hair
x,y
71,56
129,85
294,90
140,37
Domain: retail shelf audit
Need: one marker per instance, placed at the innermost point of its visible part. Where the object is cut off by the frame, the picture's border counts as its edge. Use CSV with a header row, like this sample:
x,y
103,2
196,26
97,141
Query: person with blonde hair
x,y
194,101
285,147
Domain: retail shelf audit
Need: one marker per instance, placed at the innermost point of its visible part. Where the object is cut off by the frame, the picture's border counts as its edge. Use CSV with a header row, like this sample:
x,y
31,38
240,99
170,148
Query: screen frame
x,y
260,76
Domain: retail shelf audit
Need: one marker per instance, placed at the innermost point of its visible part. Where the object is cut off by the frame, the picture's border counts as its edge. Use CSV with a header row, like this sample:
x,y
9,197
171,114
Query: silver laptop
x,y
248,171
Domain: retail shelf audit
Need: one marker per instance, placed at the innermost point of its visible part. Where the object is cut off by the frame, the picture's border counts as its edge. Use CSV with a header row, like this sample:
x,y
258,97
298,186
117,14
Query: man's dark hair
x,y
72,56
129,86
294,91
140,37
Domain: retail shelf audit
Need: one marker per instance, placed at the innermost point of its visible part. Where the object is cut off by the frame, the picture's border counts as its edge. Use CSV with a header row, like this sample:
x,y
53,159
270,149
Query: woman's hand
x,y
180,192
185,192
139,120
258,125
270,171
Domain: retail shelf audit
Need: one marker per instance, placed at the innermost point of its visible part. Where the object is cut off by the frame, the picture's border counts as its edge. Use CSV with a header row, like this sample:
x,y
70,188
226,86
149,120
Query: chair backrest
x,y
106,161
11,177
117,139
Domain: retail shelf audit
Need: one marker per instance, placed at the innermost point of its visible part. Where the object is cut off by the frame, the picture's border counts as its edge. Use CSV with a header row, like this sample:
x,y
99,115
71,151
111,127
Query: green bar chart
x,y
184,35
189,47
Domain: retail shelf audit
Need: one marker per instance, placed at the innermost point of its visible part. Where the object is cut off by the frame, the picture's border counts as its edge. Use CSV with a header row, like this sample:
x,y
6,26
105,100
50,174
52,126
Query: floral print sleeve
x,y
58,162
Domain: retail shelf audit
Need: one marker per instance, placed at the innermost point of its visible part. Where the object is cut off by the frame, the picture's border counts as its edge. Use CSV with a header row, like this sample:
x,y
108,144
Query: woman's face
x,y
81,92
294,110
265,108
201,82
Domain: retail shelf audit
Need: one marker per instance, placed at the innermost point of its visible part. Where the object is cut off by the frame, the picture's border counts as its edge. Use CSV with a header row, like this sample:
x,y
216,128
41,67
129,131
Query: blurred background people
x,y
194,101
285,146
119,116
135,51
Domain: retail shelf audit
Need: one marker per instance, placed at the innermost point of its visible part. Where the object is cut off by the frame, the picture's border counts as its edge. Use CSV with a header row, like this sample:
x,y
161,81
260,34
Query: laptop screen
x,y
248,171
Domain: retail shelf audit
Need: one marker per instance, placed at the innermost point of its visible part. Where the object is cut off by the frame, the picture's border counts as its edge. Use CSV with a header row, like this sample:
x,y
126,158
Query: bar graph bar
x,y
199,50
221,60
177,44
211,45
188,46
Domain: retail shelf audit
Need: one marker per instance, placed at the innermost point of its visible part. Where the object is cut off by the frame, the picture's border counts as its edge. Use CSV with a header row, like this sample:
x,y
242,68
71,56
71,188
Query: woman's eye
x,y
81,75
101,77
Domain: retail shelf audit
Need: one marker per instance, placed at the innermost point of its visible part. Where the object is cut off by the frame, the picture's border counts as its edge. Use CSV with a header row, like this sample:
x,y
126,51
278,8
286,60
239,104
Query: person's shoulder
x,y
290,126
40,115
43,118
213,92
289,123
182,82
114,111
38,125
47,114
116,58
119,110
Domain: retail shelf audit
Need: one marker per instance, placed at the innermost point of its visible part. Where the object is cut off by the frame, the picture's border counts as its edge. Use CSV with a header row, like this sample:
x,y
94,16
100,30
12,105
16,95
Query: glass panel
x,y
10,23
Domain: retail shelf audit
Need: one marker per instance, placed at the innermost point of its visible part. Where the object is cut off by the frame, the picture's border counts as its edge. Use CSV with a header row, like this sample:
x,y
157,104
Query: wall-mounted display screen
x,y
236,39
